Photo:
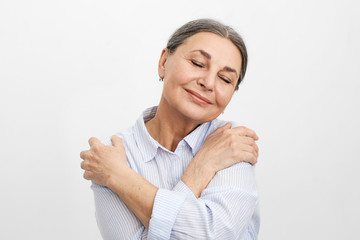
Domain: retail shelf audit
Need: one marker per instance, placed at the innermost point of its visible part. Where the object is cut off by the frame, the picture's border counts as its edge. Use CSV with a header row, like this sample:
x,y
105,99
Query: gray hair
x,y
213,26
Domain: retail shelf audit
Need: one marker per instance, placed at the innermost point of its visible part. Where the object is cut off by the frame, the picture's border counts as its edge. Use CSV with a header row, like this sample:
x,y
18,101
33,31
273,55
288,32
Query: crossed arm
x,y
106,166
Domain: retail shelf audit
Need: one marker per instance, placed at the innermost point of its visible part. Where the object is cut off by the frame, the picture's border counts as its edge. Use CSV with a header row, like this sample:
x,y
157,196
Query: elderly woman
x,y
180,173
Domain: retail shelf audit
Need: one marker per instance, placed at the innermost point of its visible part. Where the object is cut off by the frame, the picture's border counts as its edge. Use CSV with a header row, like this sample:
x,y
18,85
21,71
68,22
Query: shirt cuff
x,y
182,187
166,207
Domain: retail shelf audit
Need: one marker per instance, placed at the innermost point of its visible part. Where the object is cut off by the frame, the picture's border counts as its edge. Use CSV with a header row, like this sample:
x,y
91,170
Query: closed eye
x,y
198,64
225,79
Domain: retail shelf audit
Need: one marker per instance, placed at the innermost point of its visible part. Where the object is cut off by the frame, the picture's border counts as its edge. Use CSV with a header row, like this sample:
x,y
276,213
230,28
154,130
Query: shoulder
x,y
126,135
216,123
239,177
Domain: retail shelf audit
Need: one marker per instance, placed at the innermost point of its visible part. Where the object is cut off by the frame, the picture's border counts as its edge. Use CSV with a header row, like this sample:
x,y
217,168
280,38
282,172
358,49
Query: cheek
x,y
181,73
224,96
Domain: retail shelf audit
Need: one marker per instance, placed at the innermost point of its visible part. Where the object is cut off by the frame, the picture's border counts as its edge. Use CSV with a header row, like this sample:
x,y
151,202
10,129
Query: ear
x,y
162,61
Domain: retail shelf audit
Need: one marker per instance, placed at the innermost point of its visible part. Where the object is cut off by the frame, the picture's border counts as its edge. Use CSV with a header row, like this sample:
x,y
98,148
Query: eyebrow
x,y
205,54
229,69
208,56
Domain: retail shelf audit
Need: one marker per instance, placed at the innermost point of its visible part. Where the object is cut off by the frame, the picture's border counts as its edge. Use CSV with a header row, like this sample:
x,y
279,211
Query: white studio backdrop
x,y
74,69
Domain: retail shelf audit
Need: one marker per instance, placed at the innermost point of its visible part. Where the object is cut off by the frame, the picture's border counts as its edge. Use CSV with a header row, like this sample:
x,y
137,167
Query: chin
x,y
199,115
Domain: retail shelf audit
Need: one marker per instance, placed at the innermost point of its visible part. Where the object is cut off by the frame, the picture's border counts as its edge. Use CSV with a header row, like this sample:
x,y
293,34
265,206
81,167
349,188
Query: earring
x,y
161,79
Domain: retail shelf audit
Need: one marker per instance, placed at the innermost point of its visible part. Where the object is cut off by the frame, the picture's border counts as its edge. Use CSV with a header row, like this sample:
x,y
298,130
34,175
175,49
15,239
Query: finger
x,y
256,149
88,175
248,157
249,141
244,131
227,125
83,154
222,128
85,165
245,139
116,141
249,149
94,141
82,165
252,159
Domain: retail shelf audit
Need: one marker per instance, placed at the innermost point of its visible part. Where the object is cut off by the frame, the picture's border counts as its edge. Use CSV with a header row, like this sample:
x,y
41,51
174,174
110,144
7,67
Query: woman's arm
x,y
227,209
106,165
221,149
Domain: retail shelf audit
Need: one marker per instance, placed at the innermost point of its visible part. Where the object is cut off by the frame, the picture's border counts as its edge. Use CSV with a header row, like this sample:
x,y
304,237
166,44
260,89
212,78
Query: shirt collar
x,y
197,137
148,146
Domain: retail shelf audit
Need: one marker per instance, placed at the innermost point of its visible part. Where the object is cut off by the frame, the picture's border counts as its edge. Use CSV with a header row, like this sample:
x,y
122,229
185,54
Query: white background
x,y
73,69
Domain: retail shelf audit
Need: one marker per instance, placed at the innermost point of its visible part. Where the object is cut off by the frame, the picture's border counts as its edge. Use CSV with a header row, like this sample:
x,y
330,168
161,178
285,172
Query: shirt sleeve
x,y
226,209
113,217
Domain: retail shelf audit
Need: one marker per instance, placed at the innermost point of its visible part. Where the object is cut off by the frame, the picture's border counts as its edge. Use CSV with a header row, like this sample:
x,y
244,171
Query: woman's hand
x,y
107,166
227,146
223,148
102,163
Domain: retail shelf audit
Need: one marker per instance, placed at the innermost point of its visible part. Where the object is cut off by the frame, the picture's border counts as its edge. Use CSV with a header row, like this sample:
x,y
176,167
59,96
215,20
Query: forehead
x,y
221,49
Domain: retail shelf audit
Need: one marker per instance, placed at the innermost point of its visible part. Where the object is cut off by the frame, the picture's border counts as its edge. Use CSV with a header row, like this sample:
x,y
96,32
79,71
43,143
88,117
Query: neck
x,y
169,127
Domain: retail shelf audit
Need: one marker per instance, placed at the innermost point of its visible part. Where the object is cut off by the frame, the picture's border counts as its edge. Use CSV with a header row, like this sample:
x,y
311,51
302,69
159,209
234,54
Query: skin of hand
x,y
223,148
103,162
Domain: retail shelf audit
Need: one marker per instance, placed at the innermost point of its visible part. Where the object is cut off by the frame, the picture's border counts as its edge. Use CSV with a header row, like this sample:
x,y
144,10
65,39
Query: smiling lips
x,y
198,98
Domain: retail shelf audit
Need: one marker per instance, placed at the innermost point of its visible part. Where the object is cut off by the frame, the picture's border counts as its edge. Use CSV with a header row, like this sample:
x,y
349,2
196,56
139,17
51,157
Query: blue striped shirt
x,y
226,209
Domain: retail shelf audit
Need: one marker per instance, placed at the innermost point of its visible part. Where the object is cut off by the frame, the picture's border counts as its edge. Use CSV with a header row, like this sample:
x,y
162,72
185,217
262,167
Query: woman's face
x,y
200,76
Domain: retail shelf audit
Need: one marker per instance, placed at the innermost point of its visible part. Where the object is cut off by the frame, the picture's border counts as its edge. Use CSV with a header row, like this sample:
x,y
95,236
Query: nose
x,y
207,82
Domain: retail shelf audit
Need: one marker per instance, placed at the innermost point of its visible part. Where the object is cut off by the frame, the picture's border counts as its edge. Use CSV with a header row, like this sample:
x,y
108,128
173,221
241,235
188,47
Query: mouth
x,y
198,98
